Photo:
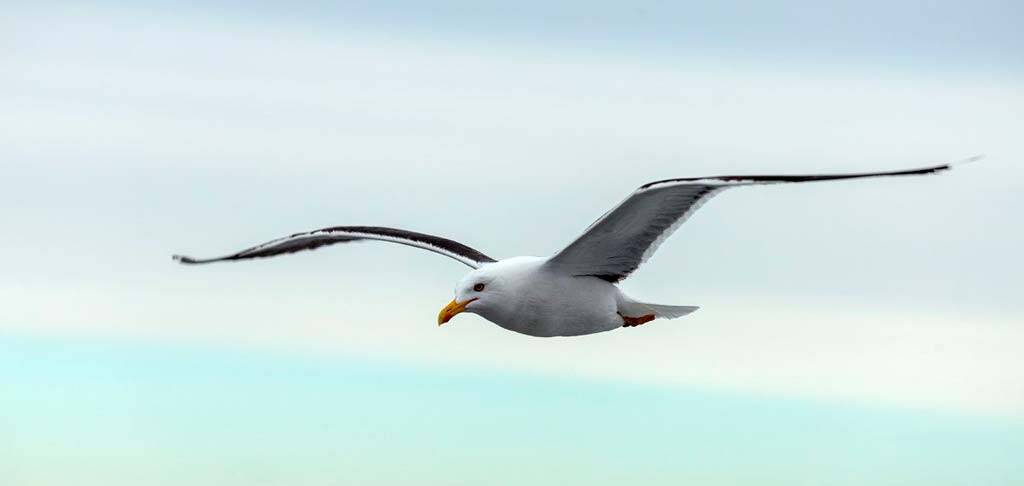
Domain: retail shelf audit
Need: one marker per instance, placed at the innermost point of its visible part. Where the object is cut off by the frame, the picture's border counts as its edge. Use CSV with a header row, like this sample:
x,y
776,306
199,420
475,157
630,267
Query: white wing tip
x,y
968,160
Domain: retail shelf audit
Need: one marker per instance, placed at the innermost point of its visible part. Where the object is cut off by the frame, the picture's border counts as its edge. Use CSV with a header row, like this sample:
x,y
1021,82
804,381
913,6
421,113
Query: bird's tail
x,y
631,308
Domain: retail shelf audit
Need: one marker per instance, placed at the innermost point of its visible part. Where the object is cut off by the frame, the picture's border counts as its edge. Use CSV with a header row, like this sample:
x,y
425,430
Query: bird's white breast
x,y
540,301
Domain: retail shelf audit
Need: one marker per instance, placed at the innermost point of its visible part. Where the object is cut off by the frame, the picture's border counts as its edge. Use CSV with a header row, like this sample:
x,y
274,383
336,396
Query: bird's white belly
x,y
559,305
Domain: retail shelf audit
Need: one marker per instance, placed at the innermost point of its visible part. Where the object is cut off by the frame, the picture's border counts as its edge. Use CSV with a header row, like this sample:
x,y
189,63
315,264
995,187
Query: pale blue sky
x,y
132,132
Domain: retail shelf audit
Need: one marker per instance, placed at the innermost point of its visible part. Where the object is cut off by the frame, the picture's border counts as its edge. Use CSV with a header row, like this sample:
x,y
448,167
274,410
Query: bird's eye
x,y
478,287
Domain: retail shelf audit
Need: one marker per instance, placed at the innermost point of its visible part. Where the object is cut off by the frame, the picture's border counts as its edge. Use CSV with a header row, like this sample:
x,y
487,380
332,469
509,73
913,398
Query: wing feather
x,y
620,241
311,240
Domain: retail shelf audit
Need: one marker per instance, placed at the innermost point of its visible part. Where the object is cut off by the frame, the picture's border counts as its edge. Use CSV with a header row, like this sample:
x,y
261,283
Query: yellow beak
x,y
451,310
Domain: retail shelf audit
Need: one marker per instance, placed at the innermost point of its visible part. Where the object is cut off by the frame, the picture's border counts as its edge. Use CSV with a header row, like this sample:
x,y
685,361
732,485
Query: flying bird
x,y
573,292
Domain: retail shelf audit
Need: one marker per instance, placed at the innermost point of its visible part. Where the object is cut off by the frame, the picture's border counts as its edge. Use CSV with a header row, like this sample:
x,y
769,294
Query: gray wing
x,y
618,242
344,234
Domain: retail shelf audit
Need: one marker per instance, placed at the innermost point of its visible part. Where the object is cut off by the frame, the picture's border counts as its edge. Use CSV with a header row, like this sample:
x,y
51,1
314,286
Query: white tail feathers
x,y
631,308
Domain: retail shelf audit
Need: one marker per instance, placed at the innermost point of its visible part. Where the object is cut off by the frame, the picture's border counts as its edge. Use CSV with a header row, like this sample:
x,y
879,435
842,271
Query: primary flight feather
x,y
573,292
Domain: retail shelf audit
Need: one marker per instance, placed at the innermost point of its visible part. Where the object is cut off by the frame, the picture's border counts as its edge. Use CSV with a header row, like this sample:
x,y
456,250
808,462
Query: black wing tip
x,y
935,169
185,260
948,166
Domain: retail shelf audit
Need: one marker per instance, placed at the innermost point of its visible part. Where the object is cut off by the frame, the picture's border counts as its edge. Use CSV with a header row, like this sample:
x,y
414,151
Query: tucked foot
x,y
635,321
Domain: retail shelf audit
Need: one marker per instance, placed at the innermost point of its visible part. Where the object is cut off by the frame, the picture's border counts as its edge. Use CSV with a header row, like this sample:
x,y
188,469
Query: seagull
x,y
573,292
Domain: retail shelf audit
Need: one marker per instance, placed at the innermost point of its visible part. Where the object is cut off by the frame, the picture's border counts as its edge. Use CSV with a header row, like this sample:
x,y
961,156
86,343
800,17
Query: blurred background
x,y
865,332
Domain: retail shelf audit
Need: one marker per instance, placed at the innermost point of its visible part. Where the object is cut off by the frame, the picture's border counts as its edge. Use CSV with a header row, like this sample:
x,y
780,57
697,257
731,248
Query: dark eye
x,y
478,287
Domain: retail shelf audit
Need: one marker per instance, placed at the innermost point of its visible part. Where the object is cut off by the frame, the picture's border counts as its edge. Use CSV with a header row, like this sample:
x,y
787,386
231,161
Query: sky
x,y
131,132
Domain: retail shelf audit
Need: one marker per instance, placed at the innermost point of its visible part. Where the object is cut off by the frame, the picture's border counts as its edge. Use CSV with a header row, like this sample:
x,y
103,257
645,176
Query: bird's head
x,y
477,292
494,291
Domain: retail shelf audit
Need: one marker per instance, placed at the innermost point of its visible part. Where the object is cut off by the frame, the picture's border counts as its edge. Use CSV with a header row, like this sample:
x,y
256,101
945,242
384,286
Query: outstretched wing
x,y
617,243
344,234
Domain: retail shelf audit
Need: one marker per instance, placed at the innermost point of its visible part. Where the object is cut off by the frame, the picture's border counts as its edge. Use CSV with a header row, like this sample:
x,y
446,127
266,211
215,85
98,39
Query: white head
x,y
491,291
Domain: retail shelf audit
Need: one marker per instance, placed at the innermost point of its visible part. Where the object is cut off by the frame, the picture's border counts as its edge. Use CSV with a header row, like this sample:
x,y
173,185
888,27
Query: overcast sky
x,y
129,134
